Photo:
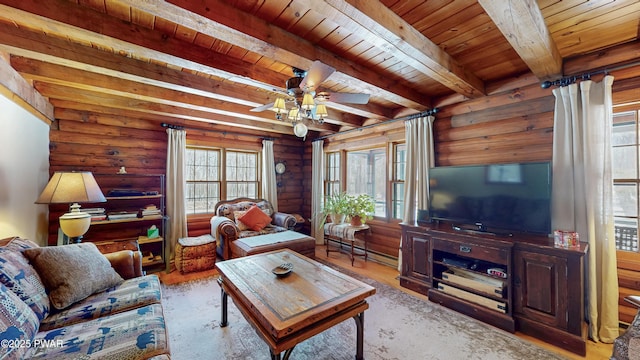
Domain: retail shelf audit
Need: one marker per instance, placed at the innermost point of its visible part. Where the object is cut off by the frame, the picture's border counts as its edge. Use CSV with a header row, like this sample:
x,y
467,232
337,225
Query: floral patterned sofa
x,y
225,227
72,302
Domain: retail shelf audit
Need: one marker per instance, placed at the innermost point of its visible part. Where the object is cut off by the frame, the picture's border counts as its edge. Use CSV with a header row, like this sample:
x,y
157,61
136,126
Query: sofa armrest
x,y
127,263
224,231
285,220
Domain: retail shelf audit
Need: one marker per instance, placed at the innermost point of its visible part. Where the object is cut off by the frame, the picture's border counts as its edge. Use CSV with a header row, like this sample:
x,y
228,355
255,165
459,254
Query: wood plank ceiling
x,y
214,60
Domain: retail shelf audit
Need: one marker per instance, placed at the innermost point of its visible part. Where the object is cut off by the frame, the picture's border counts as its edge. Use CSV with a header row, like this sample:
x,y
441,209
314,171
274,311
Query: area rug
x,y
398,326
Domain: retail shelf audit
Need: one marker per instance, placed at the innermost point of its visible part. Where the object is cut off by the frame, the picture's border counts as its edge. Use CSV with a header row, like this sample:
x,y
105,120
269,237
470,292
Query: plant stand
x,y
346,233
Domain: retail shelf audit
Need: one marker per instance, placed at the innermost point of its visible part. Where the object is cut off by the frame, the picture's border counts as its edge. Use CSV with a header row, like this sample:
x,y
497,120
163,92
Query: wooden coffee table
x,y
288,310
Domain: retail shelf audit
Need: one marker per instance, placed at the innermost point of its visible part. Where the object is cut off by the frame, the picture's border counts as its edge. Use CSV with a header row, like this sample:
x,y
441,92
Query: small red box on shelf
x,y
566,239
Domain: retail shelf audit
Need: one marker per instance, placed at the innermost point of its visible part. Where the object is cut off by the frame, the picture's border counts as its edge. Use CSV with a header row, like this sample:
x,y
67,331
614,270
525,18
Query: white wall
x,y
24,172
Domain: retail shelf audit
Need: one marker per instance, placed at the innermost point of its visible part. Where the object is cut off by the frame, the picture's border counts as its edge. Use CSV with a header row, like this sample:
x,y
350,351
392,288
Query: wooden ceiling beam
x,y
17,89
65,19
79,23
386,30
38,47
523,25
62,92
220,20
61,75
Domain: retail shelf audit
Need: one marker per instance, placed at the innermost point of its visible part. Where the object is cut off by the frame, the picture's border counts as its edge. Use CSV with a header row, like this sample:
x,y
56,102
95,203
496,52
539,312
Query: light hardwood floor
x,y
388,275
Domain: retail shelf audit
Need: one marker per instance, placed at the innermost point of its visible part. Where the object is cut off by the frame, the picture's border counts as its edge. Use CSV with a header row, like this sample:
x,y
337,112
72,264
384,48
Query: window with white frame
x,y
208,182
367,174
332,174
625,142
397,180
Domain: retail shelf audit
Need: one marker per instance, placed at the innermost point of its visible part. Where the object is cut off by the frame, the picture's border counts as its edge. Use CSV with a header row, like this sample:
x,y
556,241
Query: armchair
x,y
224,227
627,345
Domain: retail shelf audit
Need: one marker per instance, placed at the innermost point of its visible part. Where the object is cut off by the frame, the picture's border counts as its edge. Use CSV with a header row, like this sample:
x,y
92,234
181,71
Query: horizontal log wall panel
x,y
101,142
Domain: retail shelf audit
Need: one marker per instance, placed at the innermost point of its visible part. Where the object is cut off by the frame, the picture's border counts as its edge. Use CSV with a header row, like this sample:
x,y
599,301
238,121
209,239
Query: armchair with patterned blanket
x,y
245,217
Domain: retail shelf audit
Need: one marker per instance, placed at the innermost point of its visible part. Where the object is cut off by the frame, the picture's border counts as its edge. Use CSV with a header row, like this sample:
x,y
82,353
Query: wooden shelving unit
x,y
120,233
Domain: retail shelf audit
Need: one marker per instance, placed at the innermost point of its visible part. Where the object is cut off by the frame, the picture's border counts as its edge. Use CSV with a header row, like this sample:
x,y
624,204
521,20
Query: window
x,y
209,182
625,142
332,174
366,173
242,174
397,180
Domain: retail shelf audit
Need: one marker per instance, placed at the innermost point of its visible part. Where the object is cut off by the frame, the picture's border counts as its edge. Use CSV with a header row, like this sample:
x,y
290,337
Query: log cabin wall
x,y
514,123
85,139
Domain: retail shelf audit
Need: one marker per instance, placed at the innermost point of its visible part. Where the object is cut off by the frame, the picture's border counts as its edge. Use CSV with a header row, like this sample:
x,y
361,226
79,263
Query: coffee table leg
x,y
359,336
224,297
274,356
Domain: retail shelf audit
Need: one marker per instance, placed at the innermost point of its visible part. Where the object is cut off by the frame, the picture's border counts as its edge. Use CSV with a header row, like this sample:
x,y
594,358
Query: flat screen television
x,y
499,198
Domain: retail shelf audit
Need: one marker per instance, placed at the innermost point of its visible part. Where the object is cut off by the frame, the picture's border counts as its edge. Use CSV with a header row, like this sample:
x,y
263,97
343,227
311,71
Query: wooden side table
x,y
345,233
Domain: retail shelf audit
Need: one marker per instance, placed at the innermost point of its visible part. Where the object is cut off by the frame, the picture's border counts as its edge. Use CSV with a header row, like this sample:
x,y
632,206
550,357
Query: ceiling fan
x,y
305,83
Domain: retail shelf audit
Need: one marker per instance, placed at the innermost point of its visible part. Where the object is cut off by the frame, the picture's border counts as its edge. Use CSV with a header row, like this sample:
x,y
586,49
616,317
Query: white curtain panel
x,y
420,157
269,184
582,193
175,192
317,190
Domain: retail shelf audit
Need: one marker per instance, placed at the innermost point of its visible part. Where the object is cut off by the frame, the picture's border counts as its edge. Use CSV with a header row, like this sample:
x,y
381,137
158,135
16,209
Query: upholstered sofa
x,y
227,227
627,345
72,302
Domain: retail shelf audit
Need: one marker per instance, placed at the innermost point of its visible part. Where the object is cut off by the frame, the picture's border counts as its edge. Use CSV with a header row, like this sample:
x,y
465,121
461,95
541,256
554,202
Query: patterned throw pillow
x,y
72,272
255,218
20,277
17,323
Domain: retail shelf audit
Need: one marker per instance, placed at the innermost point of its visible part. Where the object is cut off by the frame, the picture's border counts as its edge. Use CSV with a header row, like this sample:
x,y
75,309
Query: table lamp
x,y
72,187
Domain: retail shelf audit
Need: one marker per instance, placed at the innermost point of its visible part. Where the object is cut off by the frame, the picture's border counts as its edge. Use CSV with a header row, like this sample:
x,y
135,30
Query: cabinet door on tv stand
x,y
420,262
541,288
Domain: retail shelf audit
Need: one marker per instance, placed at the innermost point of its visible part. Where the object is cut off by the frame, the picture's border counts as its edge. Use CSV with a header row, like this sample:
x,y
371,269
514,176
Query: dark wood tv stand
x,y
543,292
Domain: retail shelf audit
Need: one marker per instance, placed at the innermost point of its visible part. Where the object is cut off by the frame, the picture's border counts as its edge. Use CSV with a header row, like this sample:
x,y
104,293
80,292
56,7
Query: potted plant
x,y
336,206
360,208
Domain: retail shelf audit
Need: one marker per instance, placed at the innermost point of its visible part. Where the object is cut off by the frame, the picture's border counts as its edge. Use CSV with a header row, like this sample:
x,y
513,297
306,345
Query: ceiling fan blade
x,y
318,73
346,98
263,107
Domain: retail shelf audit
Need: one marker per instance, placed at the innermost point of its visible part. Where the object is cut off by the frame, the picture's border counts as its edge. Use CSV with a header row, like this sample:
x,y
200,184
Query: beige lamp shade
x,y
72,187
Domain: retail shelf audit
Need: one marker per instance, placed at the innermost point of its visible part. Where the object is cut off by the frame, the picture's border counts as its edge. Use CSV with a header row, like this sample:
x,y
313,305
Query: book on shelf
x,y
150,210
99,217
122,215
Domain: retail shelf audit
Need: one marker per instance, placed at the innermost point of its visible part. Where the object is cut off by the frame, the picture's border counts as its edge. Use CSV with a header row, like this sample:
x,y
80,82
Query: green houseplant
x,y
336,206
360,208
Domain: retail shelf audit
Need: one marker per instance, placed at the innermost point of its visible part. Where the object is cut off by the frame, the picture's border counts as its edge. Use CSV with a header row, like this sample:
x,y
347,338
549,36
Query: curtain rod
x,y
408,117
180,127
568,80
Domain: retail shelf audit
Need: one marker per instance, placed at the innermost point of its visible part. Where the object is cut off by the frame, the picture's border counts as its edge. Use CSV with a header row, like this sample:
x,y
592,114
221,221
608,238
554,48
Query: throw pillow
x,y
72,272
17,323
20,277
237,215
255,218
19,244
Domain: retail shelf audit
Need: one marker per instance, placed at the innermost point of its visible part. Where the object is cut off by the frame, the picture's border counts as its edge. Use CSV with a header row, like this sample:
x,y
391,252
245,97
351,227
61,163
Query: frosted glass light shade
x,y
300,129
